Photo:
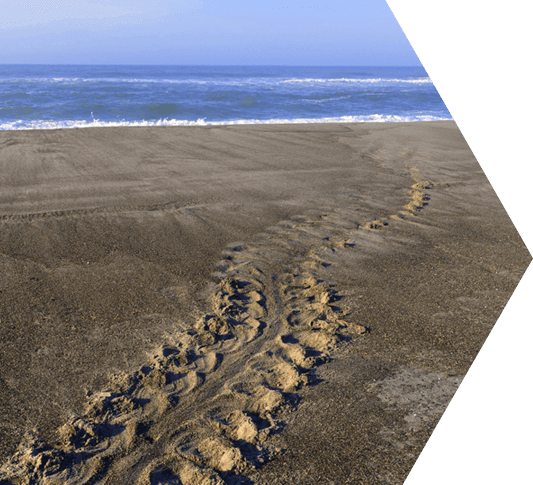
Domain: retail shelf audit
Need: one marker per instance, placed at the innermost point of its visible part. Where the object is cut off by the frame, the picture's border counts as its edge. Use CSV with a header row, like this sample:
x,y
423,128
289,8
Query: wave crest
x,y
54,125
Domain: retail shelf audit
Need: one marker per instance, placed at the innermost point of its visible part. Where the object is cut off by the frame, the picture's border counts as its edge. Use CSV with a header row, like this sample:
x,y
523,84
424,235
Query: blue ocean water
x,y
41,96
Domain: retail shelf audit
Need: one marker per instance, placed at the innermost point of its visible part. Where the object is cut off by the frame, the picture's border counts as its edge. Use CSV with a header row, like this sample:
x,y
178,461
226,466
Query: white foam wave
x,y
223,82
53,125
422,80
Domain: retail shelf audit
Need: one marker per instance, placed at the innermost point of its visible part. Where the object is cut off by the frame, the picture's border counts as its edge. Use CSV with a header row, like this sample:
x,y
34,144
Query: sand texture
x,y
268,304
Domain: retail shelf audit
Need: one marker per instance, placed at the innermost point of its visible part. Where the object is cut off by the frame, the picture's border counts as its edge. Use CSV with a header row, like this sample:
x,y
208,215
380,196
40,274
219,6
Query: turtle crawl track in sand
x,y
232,369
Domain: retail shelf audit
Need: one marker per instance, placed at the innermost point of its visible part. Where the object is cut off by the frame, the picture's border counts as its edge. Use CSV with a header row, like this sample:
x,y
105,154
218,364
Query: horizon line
x,y
207,65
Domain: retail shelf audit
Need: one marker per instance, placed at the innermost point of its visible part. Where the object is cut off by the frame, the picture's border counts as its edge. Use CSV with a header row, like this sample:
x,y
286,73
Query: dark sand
x,y
265,304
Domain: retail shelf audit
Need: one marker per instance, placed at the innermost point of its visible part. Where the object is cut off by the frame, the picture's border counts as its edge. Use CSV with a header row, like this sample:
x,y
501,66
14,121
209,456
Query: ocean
x,y
63,96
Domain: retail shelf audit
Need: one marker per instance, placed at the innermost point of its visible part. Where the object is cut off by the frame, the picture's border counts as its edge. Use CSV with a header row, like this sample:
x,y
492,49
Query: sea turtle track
x,y
201,410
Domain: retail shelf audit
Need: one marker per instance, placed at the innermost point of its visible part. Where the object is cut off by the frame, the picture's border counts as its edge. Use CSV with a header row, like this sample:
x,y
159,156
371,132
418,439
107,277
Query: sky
x,y
203,32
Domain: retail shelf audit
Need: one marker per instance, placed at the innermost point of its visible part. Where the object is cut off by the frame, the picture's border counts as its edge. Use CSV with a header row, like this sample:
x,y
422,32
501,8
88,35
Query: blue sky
x,y
230,32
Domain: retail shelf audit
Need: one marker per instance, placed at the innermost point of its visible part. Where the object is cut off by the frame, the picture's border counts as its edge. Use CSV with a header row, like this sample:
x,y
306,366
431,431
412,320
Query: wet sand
x,y
240,304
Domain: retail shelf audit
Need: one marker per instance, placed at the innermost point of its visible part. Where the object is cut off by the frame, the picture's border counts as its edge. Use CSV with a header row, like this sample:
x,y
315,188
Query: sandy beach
x,y
262,304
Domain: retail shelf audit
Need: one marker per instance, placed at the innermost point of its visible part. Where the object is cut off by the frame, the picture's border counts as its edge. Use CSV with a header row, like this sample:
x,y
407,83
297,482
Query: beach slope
x,y
240,304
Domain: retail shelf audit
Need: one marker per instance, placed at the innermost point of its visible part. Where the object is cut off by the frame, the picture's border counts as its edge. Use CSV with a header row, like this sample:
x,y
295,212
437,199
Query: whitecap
x,y
53,125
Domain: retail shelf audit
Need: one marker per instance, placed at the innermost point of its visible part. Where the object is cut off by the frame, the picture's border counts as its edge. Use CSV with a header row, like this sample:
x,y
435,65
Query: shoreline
x,y
201,123
242,288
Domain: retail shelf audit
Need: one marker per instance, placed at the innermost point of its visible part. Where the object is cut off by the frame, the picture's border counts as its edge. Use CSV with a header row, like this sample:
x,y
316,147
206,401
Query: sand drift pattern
x,y
201,411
